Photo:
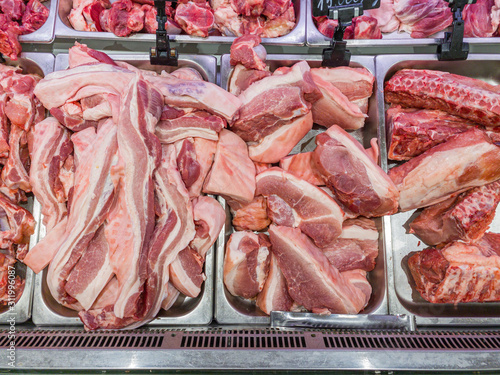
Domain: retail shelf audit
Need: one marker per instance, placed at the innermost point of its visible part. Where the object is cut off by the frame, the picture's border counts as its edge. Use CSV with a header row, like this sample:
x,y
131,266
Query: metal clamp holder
x,y
162,54
344,11
453,46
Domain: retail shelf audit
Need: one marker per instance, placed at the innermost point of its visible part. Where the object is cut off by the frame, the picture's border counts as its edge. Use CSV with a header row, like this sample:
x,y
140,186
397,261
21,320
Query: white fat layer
x,y
261,259
359,233
186,283
437,176
182,133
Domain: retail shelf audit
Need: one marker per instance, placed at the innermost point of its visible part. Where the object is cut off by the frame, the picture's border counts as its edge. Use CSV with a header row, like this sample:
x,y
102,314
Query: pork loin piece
x,y
274,296
301,166
352,175
246,263
233,173
466,160
459,272
251,216
274,101
296,203
356,247
277,145
312,281
248,51
334,108
242,78
412,131
465,217
466,97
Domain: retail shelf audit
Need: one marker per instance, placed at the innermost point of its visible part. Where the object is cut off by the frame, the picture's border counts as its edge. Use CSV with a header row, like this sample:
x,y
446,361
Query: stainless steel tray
x,y
186,310
236,310
64,30
314,38
44,34
41,64
403,297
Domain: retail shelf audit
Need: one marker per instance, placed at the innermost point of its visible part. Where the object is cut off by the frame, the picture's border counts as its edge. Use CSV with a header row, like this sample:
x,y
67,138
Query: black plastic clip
x,y
2,60
453,46
337,54
162,54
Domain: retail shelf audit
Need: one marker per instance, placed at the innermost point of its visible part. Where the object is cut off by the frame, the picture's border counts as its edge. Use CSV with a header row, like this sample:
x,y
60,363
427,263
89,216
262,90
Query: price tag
x,y
322,7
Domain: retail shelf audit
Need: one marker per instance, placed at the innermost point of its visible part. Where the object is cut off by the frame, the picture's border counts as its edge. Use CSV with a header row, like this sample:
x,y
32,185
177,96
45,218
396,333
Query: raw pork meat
x,y
466,160
242,78
194,124
326,26
422,18
274,296
209,218
466,97
312,281
246,263
481,19
459,272
251,216
356,247
123,19
354,178
186,272
248,51
273,147
301,165
387,21
363,27
233,174
195,18
465,217
296,203
412,131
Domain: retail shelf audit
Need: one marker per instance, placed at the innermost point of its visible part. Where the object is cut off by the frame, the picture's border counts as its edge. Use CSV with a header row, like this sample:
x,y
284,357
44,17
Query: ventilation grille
x,y
255,339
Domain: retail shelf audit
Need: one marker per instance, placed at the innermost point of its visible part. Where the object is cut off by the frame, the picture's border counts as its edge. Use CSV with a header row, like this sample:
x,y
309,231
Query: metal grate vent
x,y
248,339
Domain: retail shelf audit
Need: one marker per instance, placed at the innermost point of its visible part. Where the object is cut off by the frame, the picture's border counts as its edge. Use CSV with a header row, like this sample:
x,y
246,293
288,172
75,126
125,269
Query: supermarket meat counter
x,y
199,217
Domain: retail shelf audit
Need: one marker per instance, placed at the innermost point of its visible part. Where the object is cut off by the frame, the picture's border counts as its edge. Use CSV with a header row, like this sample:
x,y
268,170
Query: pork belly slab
x,y
296,203
466,97
352,175
465,217
312,281
242,78
465,161
412,131
459,272
246,263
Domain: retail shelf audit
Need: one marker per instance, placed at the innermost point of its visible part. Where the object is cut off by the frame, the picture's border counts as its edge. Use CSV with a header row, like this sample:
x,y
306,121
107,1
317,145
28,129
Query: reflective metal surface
x,y
236,310
186,310
403,297
41,64
44,34
64,30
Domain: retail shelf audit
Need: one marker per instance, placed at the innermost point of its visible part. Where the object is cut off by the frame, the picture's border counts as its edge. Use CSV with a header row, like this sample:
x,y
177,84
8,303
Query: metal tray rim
x,y
46,33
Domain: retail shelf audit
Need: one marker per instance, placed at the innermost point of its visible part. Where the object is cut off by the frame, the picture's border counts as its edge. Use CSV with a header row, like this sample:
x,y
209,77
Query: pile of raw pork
x,y
304,237
445,127
19,18
266,18
418,18
20,110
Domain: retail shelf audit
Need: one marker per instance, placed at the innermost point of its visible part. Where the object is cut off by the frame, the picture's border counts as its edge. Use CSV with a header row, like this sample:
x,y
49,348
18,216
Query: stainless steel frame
x,y
44,34
41,64
191,311
236,310
403,297
64,30
315,39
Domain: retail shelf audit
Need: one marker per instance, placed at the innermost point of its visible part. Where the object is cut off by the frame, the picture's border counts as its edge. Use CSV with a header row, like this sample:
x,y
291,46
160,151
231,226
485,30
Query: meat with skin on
x,y
312,281
459,272
465,217
248,51
246,263
422,18
412,131
296,203
205,154
274,296
387,20
273,147
481,19
301,165
251,216
233,173
356,247
51,148
195,19
241,78
14,173
353,176
465,161
466,97
170,297
186,272
209,218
